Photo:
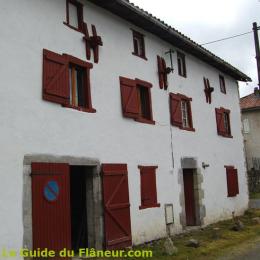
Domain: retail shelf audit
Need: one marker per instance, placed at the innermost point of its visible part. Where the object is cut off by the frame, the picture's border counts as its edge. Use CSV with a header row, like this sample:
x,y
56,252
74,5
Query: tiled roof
x,y
250,102
150,23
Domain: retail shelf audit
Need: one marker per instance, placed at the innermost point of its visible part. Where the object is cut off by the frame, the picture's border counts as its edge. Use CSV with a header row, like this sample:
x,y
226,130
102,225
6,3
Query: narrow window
x,y
246,128
144,102
148,187
185,115
139,47
232,181
181,64
74,15
226,122
78,95
222,84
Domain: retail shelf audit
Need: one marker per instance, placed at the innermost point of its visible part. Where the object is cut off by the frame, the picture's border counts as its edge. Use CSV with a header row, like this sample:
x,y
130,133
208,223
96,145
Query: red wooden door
x,y
116,206
51,206
189,197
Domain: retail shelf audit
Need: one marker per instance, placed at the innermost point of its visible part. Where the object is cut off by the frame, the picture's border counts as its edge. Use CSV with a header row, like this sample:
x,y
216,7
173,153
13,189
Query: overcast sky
x,y
206,20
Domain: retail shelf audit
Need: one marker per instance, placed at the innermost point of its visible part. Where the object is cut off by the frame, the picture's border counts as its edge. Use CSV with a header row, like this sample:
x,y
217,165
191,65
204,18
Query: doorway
x,y
189,196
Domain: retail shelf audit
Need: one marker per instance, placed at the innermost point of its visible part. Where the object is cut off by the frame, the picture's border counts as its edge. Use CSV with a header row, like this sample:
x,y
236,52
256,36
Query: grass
x,y
255,195
211,246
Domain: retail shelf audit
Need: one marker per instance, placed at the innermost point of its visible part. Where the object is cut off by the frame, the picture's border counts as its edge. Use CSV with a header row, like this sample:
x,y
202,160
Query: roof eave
x,y
140,18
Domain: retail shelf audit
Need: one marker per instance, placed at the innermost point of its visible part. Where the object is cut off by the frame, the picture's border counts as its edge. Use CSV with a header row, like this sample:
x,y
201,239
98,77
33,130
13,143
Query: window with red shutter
x,y
180,110
74,15
136,100
232,181
223,122
162,72
148,187
66,81
139,45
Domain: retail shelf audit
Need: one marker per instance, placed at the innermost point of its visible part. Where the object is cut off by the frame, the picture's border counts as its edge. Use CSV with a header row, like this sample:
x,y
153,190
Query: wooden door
x,y
116,206
51,207
189,197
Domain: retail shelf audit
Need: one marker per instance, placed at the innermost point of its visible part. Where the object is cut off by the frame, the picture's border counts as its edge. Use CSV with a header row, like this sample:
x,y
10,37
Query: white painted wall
x,y
30,125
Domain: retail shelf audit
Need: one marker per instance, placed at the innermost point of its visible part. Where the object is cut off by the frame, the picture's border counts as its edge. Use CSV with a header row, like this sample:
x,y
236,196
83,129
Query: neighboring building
x,y
102,146
250,108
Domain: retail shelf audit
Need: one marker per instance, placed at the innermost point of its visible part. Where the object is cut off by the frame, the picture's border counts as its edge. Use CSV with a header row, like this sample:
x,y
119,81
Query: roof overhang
x,y
144,20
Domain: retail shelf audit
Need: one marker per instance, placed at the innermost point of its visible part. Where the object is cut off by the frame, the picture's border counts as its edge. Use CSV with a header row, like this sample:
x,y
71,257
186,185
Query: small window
x,y
148,187
232,181
180,109
74,15
181,64
222,84
78,93
136,100
223,122
246,128
139,47
66,81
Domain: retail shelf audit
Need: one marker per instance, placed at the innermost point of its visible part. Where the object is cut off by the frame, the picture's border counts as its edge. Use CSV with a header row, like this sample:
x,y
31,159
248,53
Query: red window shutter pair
x,y
232,181
220,121
162,72
56,77
176,113
148,187
208,90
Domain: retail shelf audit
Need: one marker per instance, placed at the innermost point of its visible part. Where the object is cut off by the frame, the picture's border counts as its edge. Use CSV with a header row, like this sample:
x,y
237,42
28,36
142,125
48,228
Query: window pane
x,y
81,94
184,111
145,102
73,15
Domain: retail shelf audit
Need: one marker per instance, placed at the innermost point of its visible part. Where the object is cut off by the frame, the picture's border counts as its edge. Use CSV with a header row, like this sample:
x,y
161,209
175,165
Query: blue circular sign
x,y
51,191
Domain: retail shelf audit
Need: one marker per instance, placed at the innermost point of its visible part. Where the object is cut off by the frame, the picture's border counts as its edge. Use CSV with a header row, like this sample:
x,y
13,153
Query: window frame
x,y
222,84
140,38
80,16
151,171
181,64
225,114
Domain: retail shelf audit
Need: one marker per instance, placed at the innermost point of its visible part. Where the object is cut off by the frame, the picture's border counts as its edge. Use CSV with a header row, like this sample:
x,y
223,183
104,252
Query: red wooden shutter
x,y
51,206
129,97
165,79
220,121
55,77
116,206
160,71
232,181
175,110
148,187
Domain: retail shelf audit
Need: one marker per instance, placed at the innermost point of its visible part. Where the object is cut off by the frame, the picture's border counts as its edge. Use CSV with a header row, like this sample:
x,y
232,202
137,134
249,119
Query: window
x,y
222,84
180,109
139,47
136,100
148,187
66,81
74,13
246,128
232,181
223,122
181,64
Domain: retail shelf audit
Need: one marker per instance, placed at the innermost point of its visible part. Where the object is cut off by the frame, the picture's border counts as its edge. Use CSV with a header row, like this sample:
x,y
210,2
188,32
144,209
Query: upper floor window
x,y
222,84
66,81
180,109
74,13
181,64
136,100
223,122
139,45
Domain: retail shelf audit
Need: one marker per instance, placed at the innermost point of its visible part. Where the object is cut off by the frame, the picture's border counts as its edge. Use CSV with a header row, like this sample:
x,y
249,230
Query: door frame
x,y
97,233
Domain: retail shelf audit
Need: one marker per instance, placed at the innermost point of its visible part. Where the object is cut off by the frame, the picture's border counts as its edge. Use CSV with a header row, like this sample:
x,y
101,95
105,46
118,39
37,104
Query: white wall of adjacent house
x,y
30,125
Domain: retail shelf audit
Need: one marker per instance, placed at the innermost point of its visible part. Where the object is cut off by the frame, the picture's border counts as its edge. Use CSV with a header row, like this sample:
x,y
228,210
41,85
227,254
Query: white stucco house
x,y
103,144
